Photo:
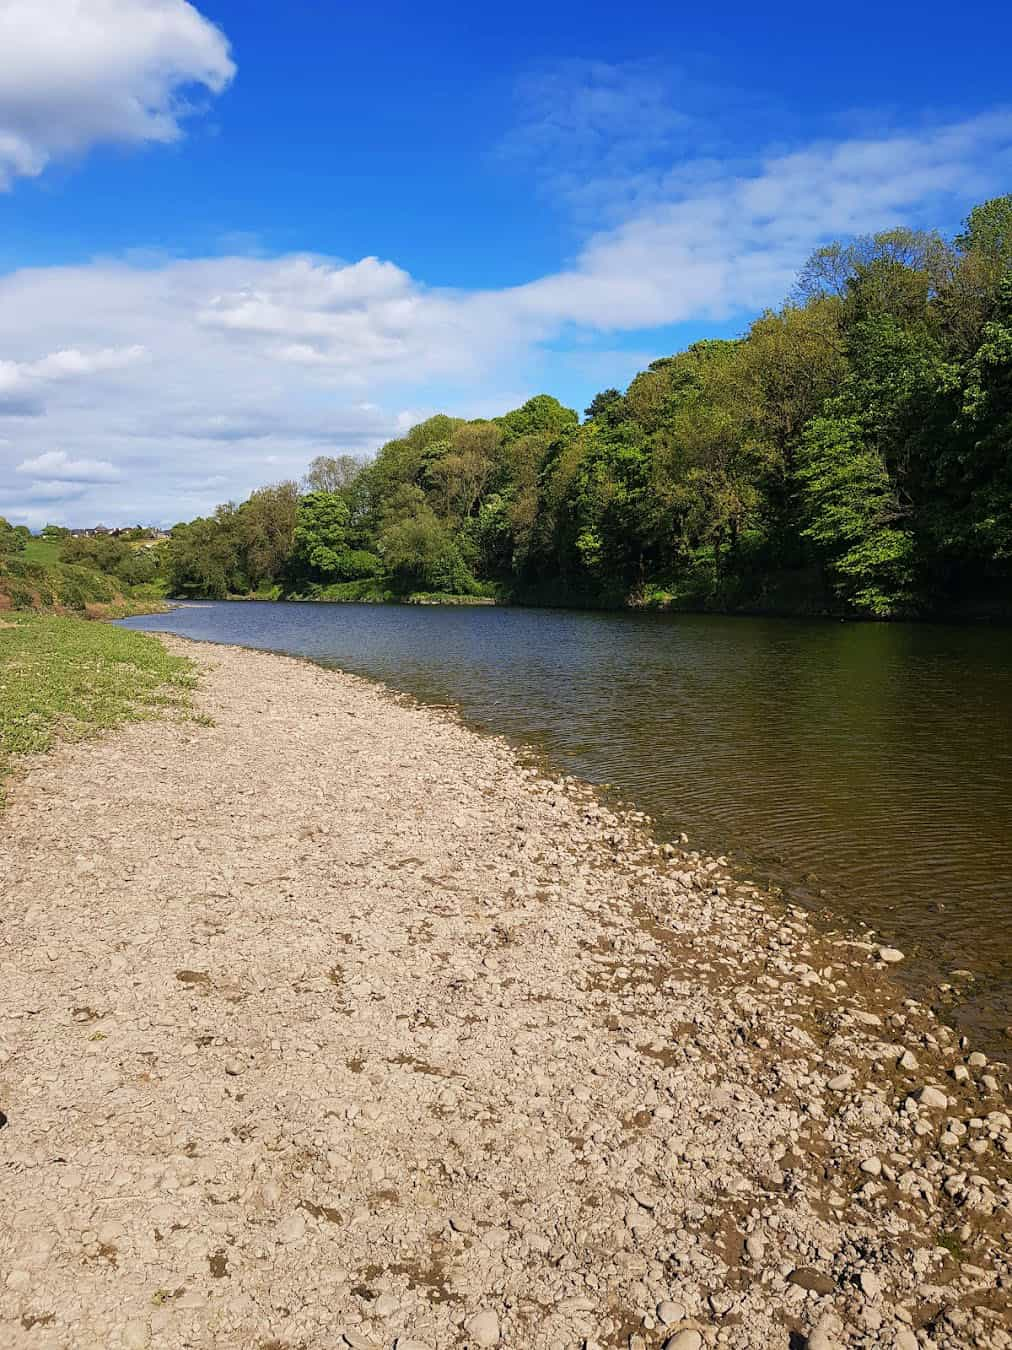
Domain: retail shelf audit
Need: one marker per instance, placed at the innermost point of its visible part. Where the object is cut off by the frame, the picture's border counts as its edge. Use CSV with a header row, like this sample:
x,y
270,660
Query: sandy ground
x,y
336,1024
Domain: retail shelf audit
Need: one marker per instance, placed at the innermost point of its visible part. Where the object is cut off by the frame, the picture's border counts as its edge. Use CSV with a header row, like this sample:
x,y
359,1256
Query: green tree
x,y
269,519
205,557
855,516
12,537
320,534
104,553
420,553
333,473
542,413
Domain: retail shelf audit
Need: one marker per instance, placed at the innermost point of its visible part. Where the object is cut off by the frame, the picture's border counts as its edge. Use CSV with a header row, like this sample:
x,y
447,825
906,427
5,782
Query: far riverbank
x,y
370,1033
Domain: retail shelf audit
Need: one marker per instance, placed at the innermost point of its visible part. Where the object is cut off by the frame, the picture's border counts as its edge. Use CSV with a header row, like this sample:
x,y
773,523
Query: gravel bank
x,y
332,1024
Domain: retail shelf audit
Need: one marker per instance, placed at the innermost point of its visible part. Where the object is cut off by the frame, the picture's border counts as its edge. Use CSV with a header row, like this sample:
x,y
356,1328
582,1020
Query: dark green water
x,y
866,768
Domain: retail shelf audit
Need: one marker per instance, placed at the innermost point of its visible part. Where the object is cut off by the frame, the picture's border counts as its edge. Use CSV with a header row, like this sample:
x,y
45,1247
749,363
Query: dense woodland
x,y
851,453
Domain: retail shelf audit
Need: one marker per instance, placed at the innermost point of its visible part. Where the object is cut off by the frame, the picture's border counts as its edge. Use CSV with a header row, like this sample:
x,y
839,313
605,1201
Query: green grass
x,y
65,678
45,551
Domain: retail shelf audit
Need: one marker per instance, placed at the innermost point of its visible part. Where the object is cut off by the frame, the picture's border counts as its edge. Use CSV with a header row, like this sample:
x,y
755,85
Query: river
x,y
864,768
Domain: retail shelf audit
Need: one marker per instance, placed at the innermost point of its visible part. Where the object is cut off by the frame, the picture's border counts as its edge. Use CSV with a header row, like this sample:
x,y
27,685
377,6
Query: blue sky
x,y
235,235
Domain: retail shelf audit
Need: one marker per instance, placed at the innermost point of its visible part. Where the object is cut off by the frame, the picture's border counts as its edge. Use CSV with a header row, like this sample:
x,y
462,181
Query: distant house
x,y
153,533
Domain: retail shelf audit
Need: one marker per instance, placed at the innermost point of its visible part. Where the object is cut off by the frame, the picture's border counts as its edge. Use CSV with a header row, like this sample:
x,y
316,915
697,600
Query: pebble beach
x,y
328,1022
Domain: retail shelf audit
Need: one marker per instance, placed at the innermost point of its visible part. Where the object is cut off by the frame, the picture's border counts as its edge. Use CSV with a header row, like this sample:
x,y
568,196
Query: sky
x,y
234,235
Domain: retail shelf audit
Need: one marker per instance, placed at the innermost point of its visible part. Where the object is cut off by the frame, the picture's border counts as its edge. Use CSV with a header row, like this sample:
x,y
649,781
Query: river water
x,y
866,769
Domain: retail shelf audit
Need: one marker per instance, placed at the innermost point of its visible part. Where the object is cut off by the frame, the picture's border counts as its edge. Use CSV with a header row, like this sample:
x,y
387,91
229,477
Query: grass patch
x,y
952,1245
63,678
44,551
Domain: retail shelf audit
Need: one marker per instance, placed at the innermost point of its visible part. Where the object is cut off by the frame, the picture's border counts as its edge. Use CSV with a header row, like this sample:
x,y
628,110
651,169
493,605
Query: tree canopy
x,y
850,452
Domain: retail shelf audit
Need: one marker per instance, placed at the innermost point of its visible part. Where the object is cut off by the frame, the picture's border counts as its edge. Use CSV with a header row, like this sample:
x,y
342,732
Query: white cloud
x,y
57,467
22,383
78,73
243,368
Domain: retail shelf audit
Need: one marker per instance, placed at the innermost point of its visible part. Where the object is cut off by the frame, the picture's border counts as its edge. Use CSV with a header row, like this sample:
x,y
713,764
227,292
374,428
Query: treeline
x,y
851,453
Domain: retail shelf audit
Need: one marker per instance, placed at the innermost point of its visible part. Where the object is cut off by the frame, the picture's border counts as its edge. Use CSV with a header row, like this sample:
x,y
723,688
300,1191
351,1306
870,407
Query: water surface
x,y
866,768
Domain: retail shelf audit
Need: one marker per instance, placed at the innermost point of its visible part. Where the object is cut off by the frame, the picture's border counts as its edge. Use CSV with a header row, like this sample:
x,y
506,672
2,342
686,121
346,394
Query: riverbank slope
x,y
333,1023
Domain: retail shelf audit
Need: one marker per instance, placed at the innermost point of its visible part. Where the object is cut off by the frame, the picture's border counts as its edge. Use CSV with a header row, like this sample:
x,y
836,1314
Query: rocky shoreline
x,y
334,1023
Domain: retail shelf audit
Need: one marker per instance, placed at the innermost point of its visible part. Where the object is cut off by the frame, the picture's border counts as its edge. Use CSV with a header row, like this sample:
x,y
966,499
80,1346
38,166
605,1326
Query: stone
x,y
668,1313
576,1304
293,1229
906,1340
908,1060
359,1342
233,1068
689,1339
821,1339
890,955
386,1305
755,1246
872,1166
871,1285
483,1327
135,1335
843,1082
934,1098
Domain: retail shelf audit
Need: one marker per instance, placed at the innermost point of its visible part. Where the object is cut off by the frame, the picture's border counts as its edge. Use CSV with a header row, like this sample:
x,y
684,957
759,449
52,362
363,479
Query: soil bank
x,y
335,1024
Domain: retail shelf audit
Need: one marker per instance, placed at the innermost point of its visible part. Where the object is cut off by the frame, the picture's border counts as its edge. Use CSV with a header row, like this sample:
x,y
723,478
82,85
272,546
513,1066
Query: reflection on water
x,y
867,766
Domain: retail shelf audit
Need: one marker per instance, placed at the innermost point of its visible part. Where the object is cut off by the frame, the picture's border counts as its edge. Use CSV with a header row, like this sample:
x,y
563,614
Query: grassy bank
x,y
63,678
34,580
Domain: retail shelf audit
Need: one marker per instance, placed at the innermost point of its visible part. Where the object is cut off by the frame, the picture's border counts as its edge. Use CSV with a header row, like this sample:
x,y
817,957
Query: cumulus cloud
x,y
57,467
243,368
78,73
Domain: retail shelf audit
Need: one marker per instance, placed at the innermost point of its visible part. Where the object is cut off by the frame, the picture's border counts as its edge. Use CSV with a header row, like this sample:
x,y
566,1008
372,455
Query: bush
x,y
27,585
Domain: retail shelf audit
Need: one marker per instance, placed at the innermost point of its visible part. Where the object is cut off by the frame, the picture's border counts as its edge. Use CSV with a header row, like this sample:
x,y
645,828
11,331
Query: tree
x,y
333,473
104,553
206,557
421,554
139,567
321,527
540,413
320,541
835,269
604,407
463,468
857,437
55,532
12,537
855,515
268,530
987,231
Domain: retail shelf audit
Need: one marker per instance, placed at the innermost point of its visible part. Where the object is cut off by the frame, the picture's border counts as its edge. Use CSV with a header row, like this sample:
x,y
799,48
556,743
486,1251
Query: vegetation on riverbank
x,y
62,678
102,577
849,454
